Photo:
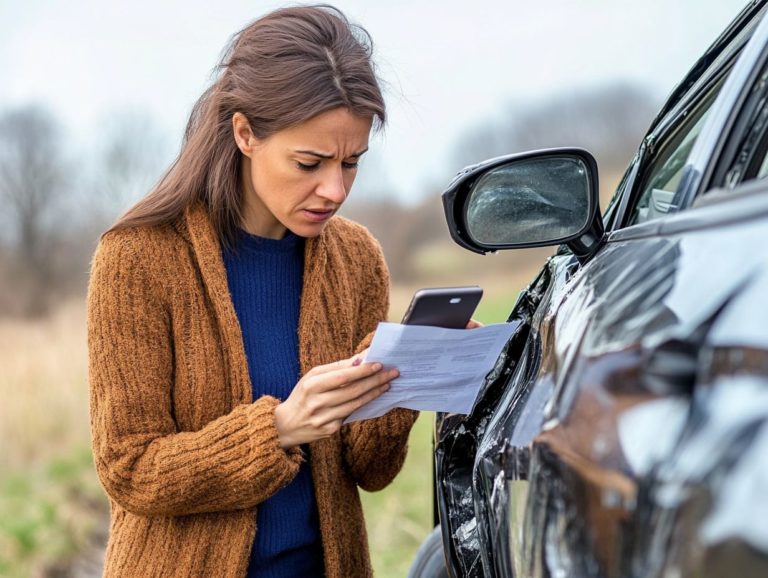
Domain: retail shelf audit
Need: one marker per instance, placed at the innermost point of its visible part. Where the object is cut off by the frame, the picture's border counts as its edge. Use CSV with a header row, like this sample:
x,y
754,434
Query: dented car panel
x,y
624,429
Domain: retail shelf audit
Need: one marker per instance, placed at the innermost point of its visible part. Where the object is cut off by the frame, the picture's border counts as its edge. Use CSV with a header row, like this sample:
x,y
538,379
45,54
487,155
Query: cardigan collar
x,y
197,227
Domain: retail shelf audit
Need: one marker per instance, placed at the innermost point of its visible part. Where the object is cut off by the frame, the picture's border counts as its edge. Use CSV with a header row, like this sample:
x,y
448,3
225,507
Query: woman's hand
x,y
473,324
325,396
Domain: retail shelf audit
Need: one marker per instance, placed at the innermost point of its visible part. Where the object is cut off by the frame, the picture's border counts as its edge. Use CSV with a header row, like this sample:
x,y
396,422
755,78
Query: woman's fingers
x,y
354,390
335,379
329,367
333,417
325,396
340,412
473,324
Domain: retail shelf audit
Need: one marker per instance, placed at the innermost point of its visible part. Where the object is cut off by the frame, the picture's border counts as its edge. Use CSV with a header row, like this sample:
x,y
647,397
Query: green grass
x,y
495,308
49,513
399,517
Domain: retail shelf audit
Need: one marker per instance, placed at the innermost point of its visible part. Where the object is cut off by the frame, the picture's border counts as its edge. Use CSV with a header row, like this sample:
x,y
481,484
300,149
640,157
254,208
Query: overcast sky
x,y
451,64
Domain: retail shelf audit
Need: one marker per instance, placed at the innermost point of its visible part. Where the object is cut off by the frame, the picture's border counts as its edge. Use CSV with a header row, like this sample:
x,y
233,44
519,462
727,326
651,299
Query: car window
x,y
662,176
745,153
665,154
750,153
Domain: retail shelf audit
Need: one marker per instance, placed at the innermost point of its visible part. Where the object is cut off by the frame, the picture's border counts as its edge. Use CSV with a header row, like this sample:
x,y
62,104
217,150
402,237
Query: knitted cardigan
x,y
181,449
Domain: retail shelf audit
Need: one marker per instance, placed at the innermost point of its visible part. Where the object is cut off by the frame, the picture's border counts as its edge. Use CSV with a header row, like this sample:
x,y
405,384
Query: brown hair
x,y
281,70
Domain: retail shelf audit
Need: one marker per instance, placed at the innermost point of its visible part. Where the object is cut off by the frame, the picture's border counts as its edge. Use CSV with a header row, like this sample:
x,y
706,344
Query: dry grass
x,y
43,387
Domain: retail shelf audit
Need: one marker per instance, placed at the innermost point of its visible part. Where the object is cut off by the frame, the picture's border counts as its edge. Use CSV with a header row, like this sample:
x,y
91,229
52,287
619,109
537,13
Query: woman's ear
x,y
243,134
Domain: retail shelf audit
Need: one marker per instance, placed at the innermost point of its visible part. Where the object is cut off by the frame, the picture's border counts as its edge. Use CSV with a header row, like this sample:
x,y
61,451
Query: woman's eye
x,y
350,166
307,167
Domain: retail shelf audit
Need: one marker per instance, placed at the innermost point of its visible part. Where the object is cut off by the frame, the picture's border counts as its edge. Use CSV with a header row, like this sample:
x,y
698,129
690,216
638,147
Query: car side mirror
x,y
531,199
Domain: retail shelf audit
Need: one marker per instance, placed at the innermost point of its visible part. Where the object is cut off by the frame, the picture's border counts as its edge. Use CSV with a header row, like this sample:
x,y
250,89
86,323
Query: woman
x,y
215,293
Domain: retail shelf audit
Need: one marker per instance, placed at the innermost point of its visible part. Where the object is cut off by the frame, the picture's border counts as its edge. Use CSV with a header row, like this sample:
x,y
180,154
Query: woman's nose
x,y
332,187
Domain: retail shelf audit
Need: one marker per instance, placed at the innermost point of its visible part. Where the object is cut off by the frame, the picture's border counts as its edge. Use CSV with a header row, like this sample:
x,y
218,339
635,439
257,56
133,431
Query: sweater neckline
x,y
250,242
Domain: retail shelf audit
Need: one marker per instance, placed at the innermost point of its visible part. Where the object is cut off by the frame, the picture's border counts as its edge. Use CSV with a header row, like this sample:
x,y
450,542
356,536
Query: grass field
x,y
399,517
51,506
50,502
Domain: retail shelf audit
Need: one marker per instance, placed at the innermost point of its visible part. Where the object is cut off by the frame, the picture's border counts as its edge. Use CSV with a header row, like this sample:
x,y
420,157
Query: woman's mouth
x,y
318,215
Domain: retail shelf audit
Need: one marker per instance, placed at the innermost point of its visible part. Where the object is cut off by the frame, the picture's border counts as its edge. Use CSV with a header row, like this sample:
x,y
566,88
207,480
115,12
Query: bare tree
x,y
33,177
609,121
132,155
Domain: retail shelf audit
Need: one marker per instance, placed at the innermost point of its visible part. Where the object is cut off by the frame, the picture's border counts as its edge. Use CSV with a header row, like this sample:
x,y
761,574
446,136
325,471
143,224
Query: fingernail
x,y
377,366
357,362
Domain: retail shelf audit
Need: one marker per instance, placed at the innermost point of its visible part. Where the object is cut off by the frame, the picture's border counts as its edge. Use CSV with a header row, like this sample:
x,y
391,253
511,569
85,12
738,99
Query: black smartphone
x,y
449,307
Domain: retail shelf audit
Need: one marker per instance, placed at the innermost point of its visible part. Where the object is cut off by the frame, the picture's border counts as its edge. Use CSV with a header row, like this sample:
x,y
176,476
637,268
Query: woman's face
x,y
298,178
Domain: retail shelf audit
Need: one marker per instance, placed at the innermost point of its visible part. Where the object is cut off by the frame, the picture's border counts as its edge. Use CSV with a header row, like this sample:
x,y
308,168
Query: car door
x,y
606,387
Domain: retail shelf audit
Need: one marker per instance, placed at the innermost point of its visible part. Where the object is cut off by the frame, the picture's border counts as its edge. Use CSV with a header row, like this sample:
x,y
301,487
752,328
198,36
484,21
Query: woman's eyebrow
x,y
327,156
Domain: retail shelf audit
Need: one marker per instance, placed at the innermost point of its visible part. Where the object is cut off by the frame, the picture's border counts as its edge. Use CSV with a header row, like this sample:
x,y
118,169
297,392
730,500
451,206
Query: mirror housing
x,y
531,199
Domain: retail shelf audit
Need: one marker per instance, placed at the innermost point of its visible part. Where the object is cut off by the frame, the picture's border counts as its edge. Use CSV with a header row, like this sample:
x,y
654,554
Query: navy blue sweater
x,y
265,278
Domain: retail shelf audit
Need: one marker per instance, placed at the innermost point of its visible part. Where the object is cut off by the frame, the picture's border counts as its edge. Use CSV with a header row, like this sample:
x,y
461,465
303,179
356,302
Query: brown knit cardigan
x,y
181,449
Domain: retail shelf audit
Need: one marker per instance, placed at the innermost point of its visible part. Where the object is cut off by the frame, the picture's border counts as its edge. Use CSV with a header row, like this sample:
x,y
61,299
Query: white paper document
x,y
440,369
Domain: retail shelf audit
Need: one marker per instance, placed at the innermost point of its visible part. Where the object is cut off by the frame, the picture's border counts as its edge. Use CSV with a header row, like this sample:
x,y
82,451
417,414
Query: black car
x,y
624,429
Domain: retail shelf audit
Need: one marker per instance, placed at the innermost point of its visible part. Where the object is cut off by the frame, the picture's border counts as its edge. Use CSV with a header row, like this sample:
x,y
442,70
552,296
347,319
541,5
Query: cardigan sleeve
x,y
145,464
374,450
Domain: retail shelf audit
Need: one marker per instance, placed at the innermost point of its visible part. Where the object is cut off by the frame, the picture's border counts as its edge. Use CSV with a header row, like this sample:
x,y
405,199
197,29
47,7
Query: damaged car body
x,y
623,431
